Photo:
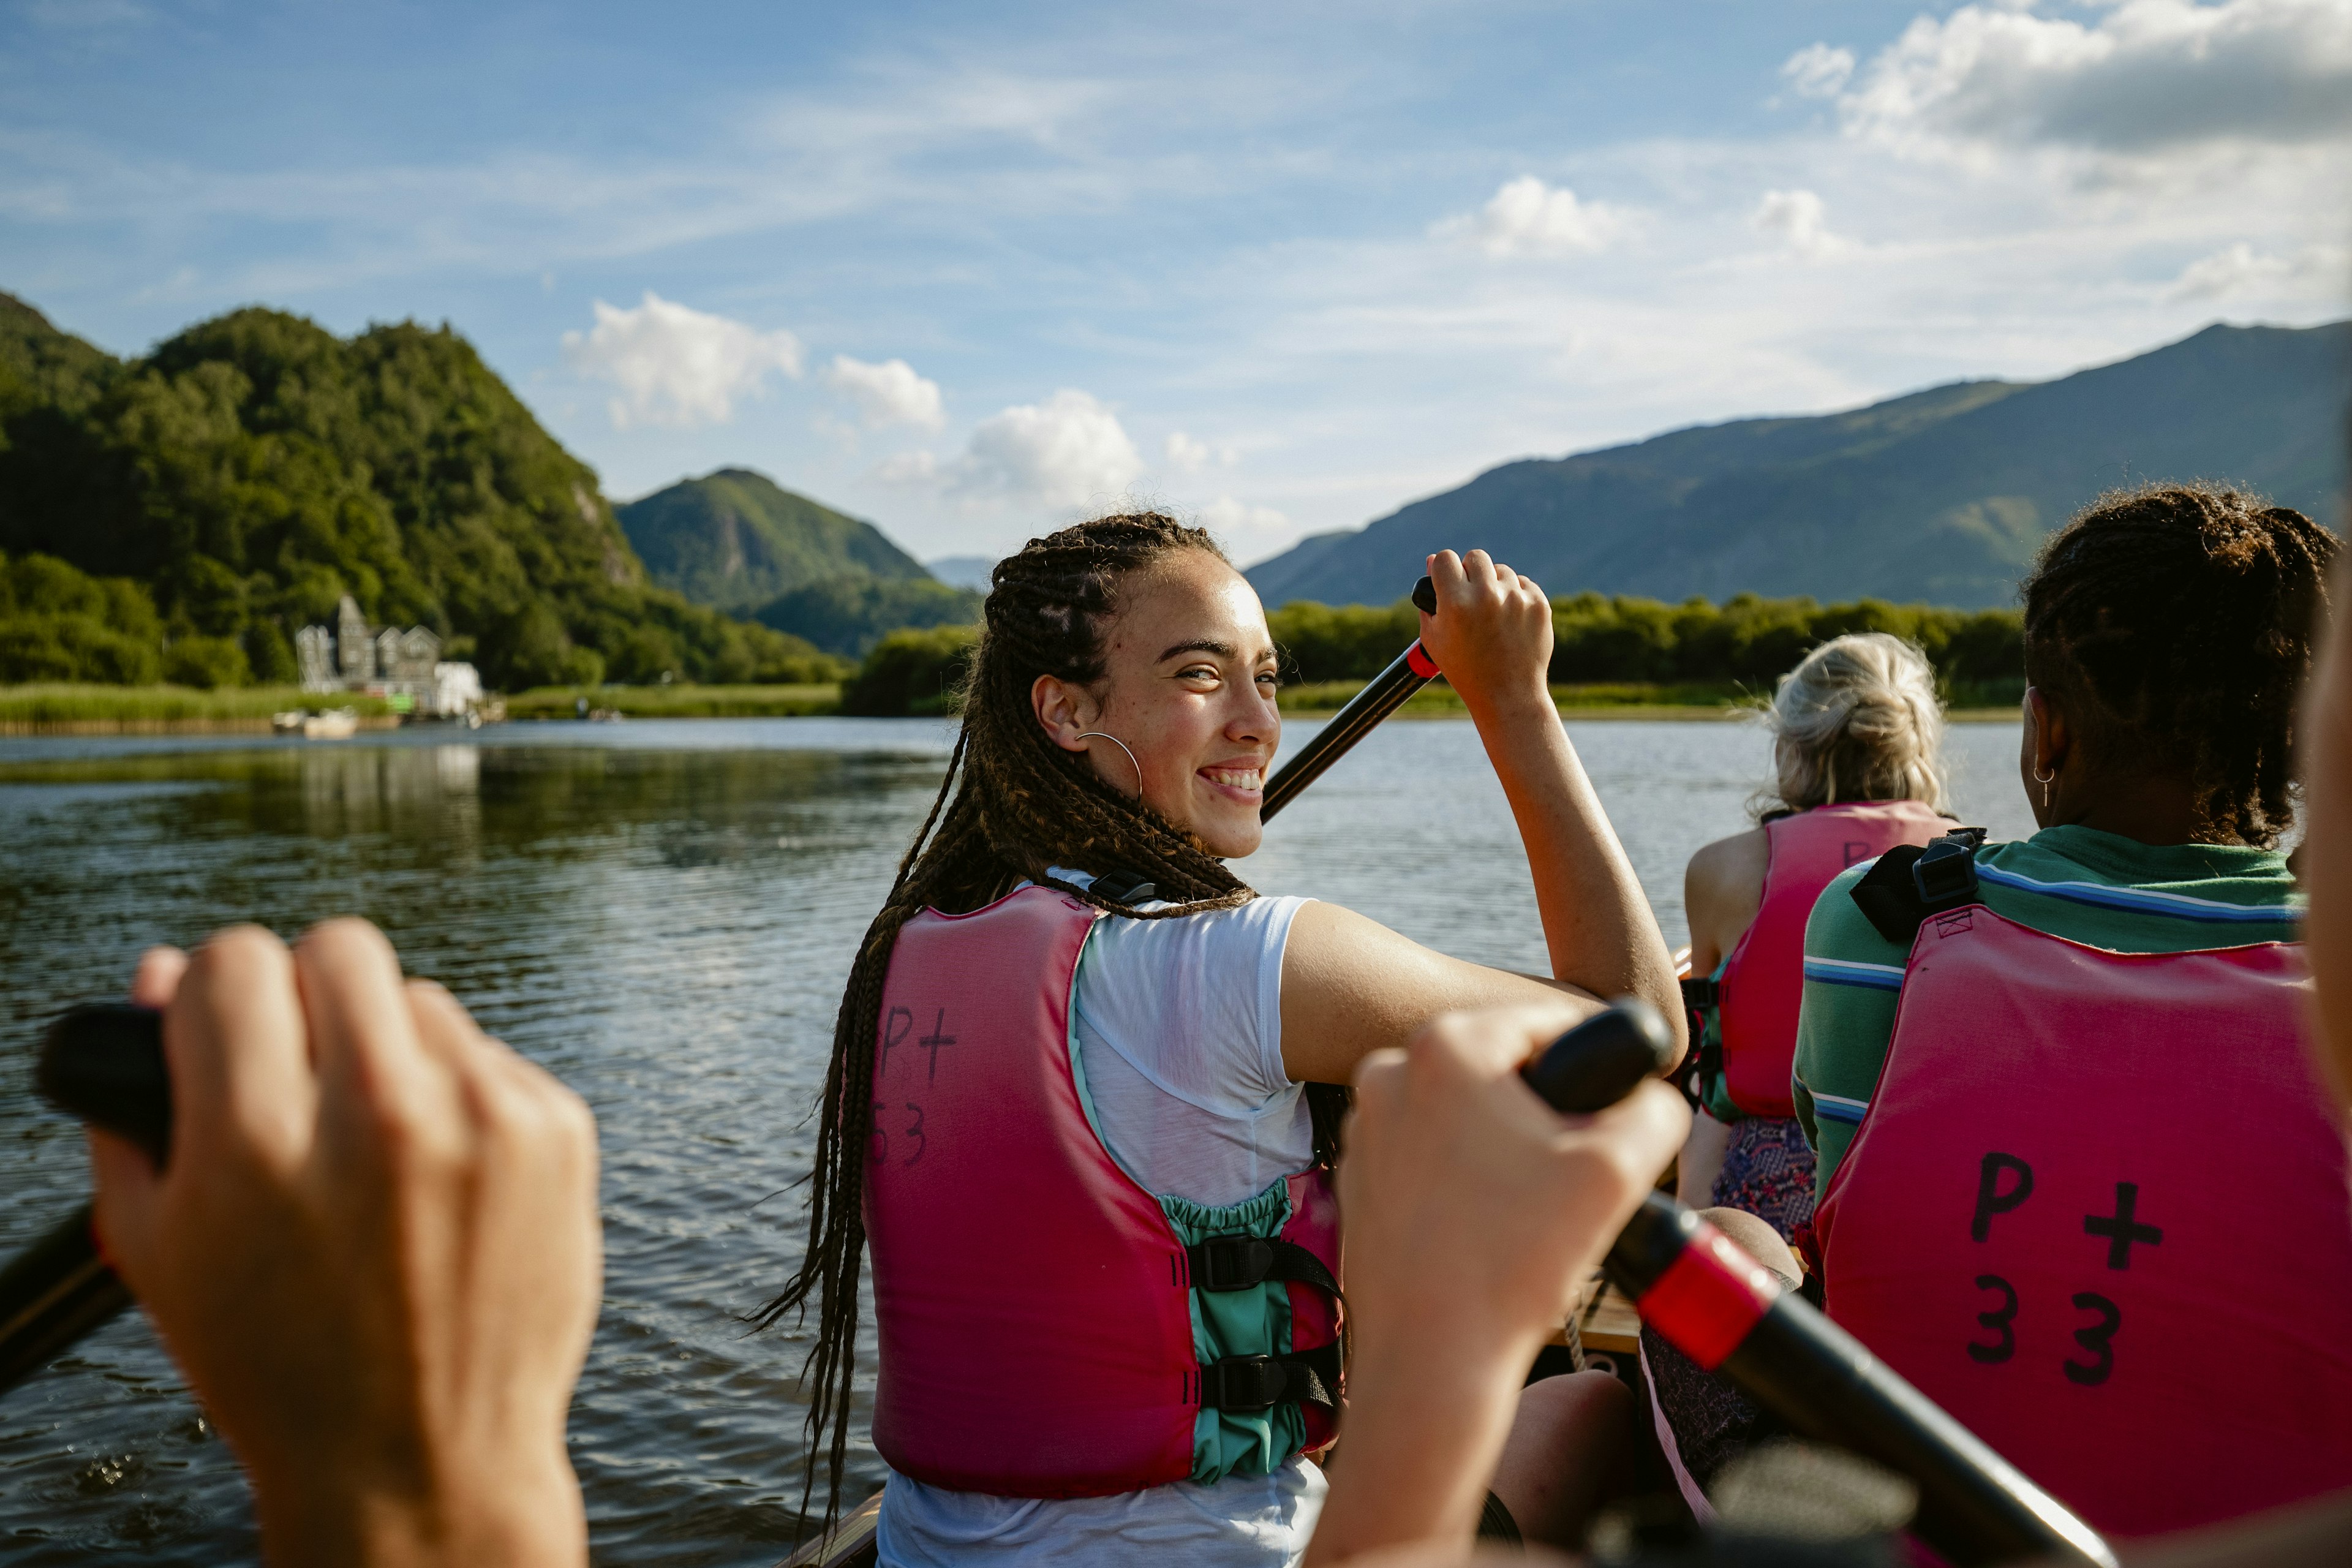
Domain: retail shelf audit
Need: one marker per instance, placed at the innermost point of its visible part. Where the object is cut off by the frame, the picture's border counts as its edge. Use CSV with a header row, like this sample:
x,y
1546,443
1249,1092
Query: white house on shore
x,y
404,668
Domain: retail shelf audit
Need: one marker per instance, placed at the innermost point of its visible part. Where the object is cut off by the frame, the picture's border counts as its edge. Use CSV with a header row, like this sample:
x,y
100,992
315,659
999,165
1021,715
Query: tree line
x,y
1747,640
1747,643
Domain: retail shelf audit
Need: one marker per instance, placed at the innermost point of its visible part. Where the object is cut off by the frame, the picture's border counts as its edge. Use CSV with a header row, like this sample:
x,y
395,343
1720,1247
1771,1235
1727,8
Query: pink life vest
x,y
1034,1304
2097,1210
1764,979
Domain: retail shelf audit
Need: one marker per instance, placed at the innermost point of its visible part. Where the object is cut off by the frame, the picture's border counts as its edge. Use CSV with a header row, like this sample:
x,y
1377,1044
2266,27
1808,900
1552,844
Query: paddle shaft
x,y
103,1063
1729,1314
1381,696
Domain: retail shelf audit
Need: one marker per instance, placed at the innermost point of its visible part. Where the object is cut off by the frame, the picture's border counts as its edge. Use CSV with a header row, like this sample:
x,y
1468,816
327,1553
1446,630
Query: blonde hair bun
x,y
1858,718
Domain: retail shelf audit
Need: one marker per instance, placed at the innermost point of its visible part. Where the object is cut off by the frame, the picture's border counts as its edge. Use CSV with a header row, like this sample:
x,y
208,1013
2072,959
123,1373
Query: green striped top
x,y
2074,882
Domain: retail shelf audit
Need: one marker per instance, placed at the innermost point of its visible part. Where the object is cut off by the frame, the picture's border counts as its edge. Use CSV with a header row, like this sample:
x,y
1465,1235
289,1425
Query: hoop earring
x,y
1114,740
2045,781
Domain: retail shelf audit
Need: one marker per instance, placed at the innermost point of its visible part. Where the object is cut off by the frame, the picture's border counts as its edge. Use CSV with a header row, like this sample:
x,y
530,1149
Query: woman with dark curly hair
x,y
2079,1180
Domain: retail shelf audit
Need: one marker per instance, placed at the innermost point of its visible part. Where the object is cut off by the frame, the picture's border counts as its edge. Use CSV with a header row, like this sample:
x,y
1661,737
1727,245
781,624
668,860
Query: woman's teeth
x,y
1234,778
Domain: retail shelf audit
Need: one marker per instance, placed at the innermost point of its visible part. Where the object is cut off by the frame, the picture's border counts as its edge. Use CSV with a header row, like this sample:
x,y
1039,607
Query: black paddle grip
x,y
1424,596
1602,1060
102,1062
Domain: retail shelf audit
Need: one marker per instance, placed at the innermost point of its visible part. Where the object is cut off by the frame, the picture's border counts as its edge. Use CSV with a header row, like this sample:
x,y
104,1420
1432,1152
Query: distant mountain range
x,y
965,571
735,540
1942,495
739,542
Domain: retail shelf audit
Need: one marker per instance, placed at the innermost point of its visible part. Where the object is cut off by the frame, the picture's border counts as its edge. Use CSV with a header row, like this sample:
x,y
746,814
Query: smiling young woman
x,y
1078,1104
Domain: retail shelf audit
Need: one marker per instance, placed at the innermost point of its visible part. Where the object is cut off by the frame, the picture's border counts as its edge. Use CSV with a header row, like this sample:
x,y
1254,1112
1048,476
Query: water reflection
x,y
663,915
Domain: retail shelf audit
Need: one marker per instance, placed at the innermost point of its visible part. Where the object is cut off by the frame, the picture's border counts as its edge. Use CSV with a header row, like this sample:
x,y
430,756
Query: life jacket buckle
x,y
1232,1263
1946,872
1244,1383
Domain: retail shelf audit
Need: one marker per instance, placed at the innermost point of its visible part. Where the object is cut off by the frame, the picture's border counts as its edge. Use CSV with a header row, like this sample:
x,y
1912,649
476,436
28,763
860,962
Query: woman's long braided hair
x,y
1014,804
2175,622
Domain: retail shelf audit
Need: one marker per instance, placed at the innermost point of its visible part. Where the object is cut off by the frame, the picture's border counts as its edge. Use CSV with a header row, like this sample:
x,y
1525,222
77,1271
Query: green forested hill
x,y
256,467
737,540
1941,496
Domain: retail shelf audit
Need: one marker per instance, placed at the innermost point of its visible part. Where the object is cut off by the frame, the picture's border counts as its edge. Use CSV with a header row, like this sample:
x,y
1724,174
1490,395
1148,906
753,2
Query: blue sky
x,y
971,270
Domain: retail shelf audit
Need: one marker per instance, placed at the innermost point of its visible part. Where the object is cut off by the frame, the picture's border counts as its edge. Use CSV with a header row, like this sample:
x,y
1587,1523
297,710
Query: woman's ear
x,y
1064,709
2054,733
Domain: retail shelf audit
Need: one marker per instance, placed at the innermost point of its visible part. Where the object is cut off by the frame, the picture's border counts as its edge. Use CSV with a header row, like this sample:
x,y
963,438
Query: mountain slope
x,y
256,467
1941,495
736,540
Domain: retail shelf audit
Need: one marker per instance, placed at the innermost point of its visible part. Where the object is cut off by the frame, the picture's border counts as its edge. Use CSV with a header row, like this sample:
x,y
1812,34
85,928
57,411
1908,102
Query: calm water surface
x,y
662,913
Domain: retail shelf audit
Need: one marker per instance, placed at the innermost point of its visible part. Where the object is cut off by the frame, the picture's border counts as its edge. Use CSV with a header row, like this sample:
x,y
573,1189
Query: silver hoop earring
x,y
2045,779
1114,740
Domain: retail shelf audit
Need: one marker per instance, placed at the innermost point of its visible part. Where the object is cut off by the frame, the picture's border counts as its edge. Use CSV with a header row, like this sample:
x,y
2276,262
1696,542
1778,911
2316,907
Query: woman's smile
x,y
1241,778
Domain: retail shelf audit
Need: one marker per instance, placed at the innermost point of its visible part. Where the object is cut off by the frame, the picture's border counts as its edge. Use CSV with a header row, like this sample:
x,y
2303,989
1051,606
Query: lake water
x,y
662,913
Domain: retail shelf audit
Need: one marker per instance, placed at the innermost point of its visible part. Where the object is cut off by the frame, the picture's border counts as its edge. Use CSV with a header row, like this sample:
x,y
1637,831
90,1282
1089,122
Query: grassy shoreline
x,y
58,709
681,700
61,707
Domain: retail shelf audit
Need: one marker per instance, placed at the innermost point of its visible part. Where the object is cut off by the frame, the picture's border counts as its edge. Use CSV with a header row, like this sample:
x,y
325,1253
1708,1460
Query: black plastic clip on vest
x,y
1909,883
1122,887
1238,1262
1243,1383
1701,990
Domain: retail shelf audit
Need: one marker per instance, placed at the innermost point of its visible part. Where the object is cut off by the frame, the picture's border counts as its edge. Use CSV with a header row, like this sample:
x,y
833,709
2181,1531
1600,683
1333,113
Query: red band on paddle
x,y
1709,1298
1417,657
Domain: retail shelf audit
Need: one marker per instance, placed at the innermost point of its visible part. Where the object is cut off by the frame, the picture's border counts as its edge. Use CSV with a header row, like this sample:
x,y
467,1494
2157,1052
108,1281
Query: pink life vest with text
x,y
1764,979
2097,1209
1033,1304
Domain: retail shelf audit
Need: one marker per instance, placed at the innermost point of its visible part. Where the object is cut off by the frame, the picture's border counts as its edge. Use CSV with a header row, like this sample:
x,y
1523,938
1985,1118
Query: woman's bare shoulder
x,y
1731,863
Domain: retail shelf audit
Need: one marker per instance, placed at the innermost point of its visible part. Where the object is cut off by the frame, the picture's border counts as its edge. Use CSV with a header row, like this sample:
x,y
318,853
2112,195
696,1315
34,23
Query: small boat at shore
x,y
334,724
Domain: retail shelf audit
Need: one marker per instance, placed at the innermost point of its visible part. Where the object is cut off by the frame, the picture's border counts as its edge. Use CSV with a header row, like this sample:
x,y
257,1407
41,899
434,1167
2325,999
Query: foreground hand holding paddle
x,y
374,1251
1474,1212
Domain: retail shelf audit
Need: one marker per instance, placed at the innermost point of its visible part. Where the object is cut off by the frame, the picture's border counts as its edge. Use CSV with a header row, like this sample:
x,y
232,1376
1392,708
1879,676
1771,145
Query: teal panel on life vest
x,y
1254,1321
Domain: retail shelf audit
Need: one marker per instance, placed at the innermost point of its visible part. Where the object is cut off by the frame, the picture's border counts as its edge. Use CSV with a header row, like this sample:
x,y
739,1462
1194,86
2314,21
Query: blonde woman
x,y
1858,768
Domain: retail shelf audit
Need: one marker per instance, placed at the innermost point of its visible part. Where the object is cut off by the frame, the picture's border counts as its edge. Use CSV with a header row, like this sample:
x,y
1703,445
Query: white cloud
x,y
1185,455
1241,525
2240,269
677,365
2143,78
1069,450
1800,222
887,393
1818,71
1528,217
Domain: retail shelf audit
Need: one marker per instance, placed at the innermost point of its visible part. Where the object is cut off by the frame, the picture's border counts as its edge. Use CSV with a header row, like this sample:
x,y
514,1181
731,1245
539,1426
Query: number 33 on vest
x,y
2074,1169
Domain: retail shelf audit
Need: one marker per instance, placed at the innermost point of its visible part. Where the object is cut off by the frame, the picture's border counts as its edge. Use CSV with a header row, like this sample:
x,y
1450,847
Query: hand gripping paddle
x,y
1381,696
1729,1313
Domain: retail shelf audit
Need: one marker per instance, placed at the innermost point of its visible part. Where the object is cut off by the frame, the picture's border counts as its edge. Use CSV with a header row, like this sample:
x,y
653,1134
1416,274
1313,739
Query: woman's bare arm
x,y
1492,635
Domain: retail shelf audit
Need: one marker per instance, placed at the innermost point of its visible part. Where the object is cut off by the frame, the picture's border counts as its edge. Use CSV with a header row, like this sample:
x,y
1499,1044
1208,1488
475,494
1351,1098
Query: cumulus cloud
x,y
2140,79
677,365
1818,71
1237,523
1798,220
1528,217
887,393
1069,450
1185,454
2240,269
